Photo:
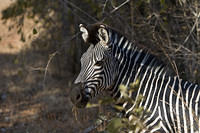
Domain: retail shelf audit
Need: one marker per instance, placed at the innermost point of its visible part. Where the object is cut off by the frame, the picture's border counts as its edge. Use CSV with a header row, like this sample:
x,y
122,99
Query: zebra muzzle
x,y
78,98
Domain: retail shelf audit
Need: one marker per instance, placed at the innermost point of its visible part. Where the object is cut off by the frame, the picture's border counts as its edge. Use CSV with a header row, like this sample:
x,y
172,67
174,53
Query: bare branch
x,y
193,27
84,12
90,129
54,54
104,6
46,68
115,9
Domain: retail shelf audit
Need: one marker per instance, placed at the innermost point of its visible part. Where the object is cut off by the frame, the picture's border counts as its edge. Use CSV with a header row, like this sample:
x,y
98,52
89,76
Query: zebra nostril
x,y
75,95
78,97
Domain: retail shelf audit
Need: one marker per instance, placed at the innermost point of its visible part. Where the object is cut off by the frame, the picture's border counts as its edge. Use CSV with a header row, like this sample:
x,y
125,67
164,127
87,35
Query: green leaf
x,y
22,37
90,105
135,85
162,2
115,125
120,108
16,61
106,100
123,90
19,30
34,31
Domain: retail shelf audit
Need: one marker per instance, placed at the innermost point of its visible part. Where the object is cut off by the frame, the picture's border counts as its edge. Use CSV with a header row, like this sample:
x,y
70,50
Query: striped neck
x,y
132,61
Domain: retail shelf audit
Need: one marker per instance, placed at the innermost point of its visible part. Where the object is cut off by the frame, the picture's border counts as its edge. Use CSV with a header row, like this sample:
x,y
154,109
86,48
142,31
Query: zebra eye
x,y
99,63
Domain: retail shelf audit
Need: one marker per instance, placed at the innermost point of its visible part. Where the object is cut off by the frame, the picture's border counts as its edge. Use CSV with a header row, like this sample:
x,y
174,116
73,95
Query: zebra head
x,y
98,65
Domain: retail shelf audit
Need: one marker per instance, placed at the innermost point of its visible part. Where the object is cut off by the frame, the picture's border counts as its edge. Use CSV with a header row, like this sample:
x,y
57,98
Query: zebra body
x,y
112,60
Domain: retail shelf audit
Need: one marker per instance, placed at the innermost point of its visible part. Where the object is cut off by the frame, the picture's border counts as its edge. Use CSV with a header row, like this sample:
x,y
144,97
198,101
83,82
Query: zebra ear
x,y
103,35
84,31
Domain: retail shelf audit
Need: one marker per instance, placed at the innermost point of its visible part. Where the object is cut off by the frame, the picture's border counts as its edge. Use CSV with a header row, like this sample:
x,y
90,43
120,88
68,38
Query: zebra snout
x,y
78,98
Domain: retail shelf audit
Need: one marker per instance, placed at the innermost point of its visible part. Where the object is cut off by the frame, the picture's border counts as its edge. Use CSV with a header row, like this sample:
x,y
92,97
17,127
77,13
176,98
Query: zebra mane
x,y
127,47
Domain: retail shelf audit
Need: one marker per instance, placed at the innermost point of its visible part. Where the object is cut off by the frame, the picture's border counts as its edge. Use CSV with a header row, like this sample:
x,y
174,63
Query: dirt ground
x,y
26,105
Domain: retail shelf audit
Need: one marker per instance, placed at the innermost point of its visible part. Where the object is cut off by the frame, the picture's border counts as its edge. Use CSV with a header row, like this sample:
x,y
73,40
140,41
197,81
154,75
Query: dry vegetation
x,y
40,49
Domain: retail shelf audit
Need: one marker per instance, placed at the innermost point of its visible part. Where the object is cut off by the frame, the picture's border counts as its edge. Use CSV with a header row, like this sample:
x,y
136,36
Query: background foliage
x,y
169,29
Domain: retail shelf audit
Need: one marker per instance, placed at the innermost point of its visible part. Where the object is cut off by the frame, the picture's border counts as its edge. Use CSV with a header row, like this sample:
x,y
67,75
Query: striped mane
x,y
122,45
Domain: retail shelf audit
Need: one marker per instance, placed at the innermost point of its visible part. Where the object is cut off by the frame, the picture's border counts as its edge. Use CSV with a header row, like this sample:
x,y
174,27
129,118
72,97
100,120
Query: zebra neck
x,y
133,63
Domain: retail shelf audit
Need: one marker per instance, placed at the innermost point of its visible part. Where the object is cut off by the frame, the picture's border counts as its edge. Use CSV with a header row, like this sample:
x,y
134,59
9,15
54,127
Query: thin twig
x,y
36,68
95,126
176,69
71,38
54,54
104,6
66,6
132,18
89,129
193,27
46,68
188,50
84,12
163,50
116,8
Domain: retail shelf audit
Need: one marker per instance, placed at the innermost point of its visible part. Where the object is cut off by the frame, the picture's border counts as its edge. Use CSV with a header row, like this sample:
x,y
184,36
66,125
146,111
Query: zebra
x,y
112,59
